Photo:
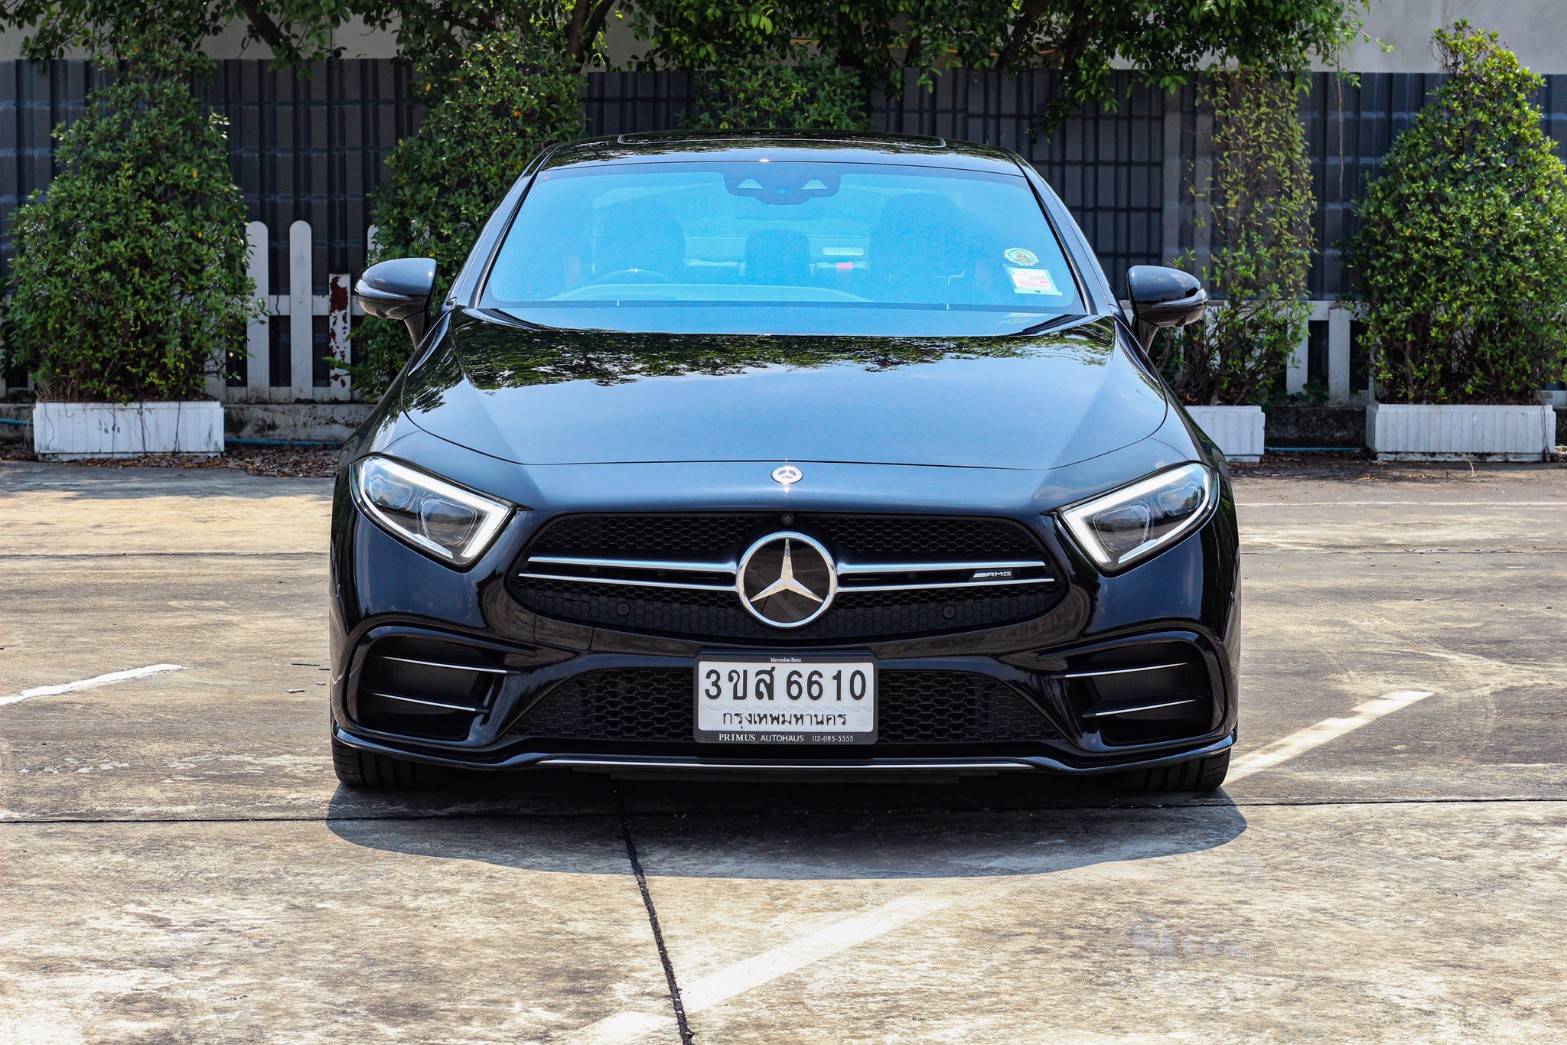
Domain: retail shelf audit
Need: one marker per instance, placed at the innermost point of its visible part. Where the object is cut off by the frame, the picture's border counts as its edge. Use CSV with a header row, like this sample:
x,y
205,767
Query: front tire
x,y
370,770
1199,775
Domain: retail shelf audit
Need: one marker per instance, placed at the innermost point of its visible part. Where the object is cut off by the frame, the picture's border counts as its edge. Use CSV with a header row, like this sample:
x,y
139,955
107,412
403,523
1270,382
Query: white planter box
x,y
1416,432
71,431
1237,429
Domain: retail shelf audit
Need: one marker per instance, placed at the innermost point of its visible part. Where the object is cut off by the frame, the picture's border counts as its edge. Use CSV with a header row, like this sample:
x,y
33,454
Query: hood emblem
x,y
786,580
787,475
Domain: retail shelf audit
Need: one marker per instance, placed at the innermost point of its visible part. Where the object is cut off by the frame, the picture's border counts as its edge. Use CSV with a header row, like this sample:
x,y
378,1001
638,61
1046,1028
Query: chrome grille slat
x,y
936,567
449,667
727,569
1122,671
933,585
635,564
422,702
1105,712
639,582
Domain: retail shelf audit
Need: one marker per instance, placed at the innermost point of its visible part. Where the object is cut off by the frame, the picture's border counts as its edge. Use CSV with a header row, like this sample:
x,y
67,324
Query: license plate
x,y
762,699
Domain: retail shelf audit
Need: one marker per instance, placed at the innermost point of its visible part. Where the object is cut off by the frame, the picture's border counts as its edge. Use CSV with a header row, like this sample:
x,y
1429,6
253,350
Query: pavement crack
x,y
652,917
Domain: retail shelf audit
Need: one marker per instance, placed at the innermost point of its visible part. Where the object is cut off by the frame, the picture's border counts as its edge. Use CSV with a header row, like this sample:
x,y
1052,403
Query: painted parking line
x,y
97,680
1320,733
761,969
839,936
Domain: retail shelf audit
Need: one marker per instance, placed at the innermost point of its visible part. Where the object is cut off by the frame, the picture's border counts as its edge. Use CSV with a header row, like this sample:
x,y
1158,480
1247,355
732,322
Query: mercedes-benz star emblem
x,y
787,474
786,580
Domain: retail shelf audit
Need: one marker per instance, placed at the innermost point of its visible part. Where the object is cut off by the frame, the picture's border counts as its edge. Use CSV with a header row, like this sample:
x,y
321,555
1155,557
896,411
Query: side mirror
x,y
1163,297
399,289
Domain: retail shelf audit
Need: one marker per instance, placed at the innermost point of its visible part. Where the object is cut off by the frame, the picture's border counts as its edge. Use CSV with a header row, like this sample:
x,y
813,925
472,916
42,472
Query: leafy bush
x,y
759,94
505,101
1261,207
129,279
1461,257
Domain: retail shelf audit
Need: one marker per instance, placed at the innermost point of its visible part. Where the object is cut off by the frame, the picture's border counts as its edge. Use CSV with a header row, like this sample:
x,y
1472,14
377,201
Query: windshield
x,y
782,246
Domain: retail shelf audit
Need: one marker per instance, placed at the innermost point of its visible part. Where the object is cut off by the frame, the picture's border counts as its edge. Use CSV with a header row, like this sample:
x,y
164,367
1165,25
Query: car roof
x,y
829,146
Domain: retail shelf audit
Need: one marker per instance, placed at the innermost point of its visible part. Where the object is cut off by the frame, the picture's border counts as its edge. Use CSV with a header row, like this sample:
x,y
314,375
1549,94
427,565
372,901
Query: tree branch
x,y
1020,31
591,28
265,29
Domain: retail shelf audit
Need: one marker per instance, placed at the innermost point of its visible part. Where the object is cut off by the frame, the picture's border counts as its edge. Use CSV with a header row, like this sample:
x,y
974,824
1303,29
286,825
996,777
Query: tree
x,y
129,280
495,109
1260,205
1163,39
295,30
757,93
434,32
1461,255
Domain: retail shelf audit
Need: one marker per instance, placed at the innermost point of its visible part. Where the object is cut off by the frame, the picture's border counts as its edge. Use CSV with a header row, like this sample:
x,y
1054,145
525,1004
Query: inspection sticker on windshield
x,y
1032,281
1020,256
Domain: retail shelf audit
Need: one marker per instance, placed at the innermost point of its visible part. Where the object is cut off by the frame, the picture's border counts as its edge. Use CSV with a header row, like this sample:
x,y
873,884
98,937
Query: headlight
x,y
1127,525
452,524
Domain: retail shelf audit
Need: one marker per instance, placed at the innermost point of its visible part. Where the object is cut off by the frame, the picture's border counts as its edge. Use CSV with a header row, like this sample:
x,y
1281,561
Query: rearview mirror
x,y
399,289
1163,297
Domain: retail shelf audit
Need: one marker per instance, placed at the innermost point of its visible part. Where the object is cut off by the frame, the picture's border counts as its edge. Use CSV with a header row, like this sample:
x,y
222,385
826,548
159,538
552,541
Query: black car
x,y
792,453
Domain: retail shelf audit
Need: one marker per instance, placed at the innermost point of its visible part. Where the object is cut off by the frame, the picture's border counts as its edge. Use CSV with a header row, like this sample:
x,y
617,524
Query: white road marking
x,y
750,973
92,683
1312,736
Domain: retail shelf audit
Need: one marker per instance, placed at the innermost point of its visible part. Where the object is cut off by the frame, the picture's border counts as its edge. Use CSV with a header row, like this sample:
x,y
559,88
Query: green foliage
x,y
1163,39
295,30
505,101
756,93
129,279
1261,207
1461,257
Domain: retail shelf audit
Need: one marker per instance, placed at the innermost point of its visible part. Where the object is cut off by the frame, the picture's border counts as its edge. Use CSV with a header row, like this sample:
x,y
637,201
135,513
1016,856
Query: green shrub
x,y
487,119
1461,256
1261,207
129,279
759,94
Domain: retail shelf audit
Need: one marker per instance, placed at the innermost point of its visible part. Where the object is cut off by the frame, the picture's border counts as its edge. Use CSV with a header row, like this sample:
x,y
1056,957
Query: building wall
x,y
1536,29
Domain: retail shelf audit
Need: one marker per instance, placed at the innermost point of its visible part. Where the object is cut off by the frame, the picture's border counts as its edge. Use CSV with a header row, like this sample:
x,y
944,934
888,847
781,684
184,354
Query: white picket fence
x,y
295,303
298,305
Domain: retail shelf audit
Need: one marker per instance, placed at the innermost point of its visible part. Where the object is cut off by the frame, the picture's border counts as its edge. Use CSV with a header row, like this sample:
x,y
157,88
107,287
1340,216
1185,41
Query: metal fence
x,y
307,150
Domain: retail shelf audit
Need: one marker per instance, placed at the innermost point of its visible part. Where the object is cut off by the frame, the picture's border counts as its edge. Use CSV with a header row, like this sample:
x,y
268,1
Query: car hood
x,y
551,397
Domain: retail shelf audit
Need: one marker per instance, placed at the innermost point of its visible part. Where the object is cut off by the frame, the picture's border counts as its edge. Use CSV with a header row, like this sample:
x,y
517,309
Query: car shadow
x,y
784,830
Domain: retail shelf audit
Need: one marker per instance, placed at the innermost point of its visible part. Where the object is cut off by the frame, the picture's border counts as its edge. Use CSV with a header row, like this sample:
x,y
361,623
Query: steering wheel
x,y
635,275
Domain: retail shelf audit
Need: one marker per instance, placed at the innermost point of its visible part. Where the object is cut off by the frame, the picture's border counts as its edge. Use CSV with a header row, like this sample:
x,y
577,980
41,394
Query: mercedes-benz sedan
x,y
788,453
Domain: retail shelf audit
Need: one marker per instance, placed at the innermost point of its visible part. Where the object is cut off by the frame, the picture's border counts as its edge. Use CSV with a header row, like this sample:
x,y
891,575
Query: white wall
x,y
1535,29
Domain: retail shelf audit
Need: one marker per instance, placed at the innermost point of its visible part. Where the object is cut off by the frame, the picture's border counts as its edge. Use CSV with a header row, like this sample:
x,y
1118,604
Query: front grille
x,y
656,705
676,575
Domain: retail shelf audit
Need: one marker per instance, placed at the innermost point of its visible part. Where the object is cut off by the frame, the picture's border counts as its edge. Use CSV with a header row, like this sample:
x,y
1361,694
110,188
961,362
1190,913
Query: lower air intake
x,y
655,705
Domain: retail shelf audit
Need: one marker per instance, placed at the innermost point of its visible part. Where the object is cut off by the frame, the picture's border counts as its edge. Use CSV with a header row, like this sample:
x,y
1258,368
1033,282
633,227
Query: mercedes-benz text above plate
x,y
762,699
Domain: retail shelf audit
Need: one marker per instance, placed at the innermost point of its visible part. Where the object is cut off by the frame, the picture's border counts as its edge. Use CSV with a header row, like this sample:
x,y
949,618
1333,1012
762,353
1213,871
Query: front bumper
x,y
1185,599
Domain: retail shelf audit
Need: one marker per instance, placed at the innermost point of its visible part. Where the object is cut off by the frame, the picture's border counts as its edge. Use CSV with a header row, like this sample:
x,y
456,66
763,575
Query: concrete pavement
x,y
176,862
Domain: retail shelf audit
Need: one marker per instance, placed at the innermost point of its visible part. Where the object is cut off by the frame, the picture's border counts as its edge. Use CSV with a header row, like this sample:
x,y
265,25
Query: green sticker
x,y
1020,256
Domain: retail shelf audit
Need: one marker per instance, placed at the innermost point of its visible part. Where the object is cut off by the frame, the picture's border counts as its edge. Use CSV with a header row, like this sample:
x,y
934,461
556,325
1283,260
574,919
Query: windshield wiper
x,y
1052,324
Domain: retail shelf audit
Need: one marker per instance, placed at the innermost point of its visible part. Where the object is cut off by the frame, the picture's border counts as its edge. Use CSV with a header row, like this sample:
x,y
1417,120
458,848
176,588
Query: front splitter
x,y
686,764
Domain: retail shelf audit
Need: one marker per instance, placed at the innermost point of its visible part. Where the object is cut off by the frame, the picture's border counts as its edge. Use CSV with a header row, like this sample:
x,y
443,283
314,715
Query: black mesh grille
x,y
720,537
656,705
